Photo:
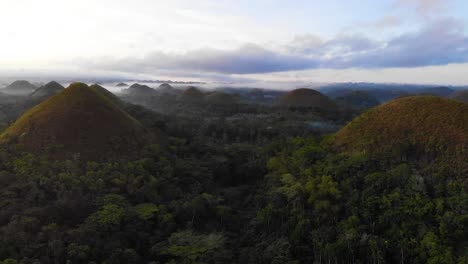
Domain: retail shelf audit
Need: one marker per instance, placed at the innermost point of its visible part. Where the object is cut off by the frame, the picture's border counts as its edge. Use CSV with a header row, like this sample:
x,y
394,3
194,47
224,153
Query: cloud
x,y
439,43
249,58
387,22
424,7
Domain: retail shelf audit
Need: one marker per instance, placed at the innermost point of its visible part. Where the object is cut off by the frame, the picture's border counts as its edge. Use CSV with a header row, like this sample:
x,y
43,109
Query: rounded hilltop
x,y
20,87
426,124
48,89
306,98
166,88
192,94
81,119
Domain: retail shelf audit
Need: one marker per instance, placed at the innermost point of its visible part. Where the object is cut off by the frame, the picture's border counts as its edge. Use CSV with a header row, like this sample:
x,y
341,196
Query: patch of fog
x,y
325,126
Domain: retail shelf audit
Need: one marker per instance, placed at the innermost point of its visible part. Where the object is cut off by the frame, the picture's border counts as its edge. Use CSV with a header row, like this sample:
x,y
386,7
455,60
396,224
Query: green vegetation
x,y
248,182
221,98
357,100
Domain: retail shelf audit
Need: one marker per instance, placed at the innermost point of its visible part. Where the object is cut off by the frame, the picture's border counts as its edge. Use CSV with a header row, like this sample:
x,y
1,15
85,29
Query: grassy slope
x,y
81,118
427,121
306,98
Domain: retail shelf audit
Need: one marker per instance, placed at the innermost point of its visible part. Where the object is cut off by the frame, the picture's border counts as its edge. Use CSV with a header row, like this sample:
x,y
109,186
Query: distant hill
x,y
83,120
139,90
385,92
166,88
306,98
221,98
461,96
47,90
122,85
192,94
436,91
357,100
20,87
103,91
424,124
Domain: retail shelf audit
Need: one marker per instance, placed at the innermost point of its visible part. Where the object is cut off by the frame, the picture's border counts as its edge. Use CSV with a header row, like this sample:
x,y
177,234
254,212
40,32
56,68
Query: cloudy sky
x,y
407,41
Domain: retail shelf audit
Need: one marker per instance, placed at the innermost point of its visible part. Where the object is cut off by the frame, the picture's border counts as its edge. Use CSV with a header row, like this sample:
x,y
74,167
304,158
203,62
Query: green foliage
x,y
146,211
188,247
234,183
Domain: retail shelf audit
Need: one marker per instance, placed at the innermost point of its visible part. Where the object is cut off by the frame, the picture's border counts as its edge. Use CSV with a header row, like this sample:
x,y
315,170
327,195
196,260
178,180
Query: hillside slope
x,y
82,120
427,126
306,98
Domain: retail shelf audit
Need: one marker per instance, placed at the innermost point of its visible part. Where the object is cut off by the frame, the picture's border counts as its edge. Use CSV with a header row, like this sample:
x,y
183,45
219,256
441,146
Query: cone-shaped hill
x,y
103,91
82,120
426,124
192,95
20,87
139,90
461,96
306,98
122,84
166,88
47,90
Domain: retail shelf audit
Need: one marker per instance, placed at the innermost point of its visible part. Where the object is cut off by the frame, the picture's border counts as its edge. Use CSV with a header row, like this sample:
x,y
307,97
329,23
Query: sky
x,y
237,41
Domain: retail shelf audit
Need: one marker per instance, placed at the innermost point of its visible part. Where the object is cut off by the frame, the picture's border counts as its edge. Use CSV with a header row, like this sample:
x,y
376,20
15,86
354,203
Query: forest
x,y
246,177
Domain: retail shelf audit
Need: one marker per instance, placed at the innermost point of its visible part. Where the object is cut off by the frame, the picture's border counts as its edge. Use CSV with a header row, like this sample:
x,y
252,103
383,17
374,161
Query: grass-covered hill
x,y
82,120
306,98
47,90
103,91
122,84
461,96
166,88
139,90
191,95
427,125
20,87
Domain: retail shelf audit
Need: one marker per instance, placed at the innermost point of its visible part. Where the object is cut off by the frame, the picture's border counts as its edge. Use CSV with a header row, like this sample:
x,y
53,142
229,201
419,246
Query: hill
x,y
306,98
192,95
461,96
83,120
166,88
358,100
122,85
20,87
139,90
425,124
103,91
47,90
436,91
221,98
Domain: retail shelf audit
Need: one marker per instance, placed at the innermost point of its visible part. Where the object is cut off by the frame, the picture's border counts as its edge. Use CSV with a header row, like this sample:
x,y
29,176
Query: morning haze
x,y
243,131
